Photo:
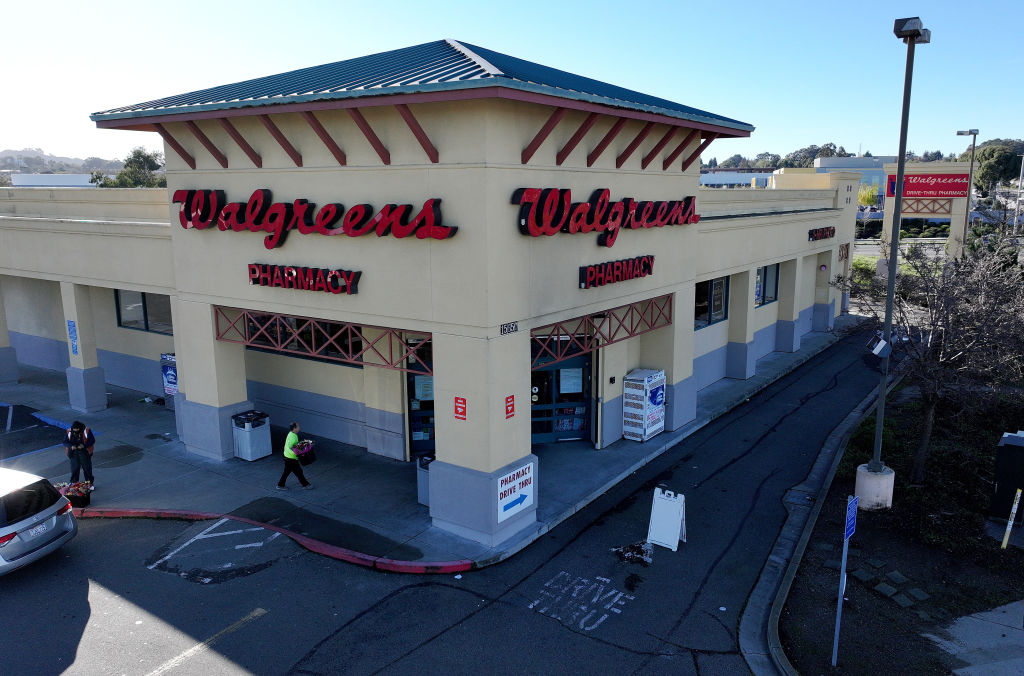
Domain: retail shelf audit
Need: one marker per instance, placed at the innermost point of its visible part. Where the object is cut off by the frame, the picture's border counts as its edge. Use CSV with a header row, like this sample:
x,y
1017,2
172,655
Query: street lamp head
x,y
968,132
911,28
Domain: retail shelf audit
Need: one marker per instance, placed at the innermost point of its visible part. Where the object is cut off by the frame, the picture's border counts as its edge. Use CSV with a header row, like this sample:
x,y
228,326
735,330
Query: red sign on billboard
x,y
510,406
460,408
929,185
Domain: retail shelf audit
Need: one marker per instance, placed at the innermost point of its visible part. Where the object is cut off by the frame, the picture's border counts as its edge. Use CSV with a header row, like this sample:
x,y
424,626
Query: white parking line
x,y
198,537
205,645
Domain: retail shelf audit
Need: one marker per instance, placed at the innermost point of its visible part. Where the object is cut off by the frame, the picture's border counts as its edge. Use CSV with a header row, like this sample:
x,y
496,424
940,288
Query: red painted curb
x,y
419,567
315,546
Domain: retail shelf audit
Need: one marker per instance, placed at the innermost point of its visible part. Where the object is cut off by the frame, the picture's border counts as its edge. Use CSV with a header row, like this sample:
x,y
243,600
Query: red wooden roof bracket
x,y
269,125
328,140
679,148
555,118
608,138
576,138
658,146
172,142
367,130
621,159
417,131
696,153
207,143
242,143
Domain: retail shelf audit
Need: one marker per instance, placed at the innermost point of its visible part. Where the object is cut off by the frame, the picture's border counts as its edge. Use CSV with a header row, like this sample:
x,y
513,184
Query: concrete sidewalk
x,y
364,507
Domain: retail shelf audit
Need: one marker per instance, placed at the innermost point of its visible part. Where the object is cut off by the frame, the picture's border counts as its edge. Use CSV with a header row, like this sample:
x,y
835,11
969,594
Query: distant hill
x,y
35,160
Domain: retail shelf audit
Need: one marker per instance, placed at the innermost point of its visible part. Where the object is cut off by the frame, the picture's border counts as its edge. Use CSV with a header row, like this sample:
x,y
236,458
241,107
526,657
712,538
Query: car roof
x,y
12,479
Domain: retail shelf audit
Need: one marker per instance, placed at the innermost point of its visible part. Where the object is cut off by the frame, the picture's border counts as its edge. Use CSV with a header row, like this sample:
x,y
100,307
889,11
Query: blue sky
x,y
802,72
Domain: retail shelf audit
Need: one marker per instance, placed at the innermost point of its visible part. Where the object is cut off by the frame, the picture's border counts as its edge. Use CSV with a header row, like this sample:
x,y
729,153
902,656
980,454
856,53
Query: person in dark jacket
x,y
79,442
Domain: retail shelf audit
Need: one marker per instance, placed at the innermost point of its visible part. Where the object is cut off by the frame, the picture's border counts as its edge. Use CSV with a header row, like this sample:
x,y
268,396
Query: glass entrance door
x,y
560,401
421,408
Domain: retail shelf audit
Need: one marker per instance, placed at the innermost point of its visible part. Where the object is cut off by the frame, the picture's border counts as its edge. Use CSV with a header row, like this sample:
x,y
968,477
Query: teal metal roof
x,y
430,67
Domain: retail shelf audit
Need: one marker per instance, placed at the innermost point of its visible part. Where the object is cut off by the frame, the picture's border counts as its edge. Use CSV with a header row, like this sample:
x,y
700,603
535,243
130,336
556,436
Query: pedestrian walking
x,y
79,443
291,461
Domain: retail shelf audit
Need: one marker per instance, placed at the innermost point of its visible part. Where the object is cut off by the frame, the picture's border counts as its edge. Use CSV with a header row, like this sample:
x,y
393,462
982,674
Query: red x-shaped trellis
x,y
334,341
564,340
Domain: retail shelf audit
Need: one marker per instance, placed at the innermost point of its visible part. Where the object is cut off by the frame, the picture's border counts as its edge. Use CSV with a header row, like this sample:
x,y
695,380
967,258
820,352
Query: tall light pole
x,y
1016,208
912,32
973,133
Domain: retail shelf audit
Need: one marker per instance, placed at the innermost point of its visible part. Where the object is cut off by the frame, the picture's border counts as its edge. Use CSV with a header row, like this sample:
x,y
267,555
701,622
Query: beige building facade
x,y
467,272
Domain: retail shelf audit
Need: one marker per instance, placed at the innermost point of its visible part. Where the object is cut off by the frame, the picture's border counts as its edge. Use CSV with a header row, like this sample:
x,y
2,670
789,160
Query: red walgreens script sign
x,y
929,185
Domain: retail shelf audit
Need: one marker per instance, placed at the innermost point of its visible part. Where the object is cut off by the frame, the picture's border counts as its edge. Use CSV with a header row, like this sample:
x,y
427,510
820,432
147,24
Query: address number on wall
x,y
511,327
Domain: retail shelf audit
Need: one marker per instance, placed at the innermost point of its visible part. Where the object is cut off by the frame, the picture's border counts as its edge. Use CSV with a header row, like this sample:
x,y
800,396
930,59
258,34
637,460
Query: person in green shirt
x,y
291,461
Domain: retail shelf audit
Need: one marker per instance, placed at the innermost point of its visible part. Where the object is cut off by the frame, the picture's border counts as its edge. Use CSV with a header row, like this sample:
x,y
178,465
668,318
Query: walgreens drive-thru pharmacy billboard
x,y
929,185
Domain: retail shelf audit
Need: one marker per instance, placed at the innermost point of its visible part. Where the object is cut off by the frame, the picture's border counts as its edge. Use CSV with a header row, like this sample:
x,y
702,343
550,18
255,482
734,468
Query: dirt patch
x,y
912,569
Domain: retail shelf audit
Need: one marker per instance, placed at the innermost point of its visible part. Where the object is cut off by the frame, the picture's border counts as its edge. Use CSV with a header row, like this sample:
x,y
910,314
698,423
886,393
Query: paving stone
x,y
864,575
924,616
854,551
885,589
918,594
903,601
896,577
834,564
876,563
822,546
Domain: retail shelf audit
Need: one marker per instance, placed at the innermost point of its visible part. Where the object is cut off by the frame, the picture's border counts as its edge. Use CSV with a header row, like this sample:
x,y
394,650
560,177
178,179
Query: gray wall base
x,y
787,336
680,403
206,430
740,360
824,316
8,365
465,502
87,391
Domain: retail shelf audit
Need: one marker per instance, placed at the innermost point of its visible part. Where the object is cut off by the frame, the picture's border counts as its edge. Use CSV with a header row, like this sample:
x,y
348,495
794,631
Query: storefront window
x,y
710,302
766,289
143,311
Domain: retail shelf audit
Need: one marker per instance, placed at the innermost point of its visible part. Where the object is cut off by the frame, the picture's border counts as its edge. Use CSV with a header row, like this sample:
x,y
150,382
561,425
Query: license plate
x,y
37,530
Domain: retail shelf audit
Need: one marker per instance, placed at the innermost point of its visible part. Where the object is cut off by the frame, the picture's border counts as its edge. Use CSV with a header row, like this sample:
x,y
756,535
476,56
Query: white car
x,y
34,519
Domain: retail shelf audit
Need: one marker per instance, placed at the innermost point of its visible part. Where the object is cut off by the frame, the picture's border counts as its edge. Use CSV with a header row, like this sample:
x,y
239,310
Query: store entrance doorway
x,y
420,390
560,405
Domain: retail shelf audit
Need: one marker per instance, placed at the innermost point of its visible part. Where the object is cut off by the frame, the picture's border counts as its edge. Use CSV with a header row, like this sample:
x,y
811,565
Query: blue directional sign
x,y
851,515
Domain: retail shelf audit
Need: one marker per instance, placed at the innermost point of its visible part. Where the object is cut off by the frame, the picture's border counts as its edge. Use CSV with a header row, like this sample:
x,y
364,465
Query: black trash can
x,y
1009,476
251,432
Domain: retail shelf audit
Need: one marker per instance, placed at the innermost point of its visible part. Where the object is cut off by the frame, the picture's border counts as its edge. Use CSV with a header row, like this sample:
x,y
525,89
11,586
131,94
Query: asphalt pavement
x,y
753,441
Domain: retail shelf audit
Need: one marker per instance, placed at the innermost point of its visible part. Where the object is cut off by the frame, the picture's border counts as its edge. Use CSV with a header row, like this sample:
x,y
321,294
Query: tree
x,y
766,160
993,164
712,163
959,326
804,157
867,195
867,153
140,171
736,161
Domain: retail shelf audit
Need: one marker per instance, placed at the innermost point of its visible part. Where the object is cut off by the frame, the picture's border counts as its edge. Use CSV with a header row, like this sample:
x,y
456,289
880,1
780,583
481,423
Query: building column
x,y
882,266
8,358
825,310
211,381
382,399
483,483
787,329
740,362
87,389
957,228
671,348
